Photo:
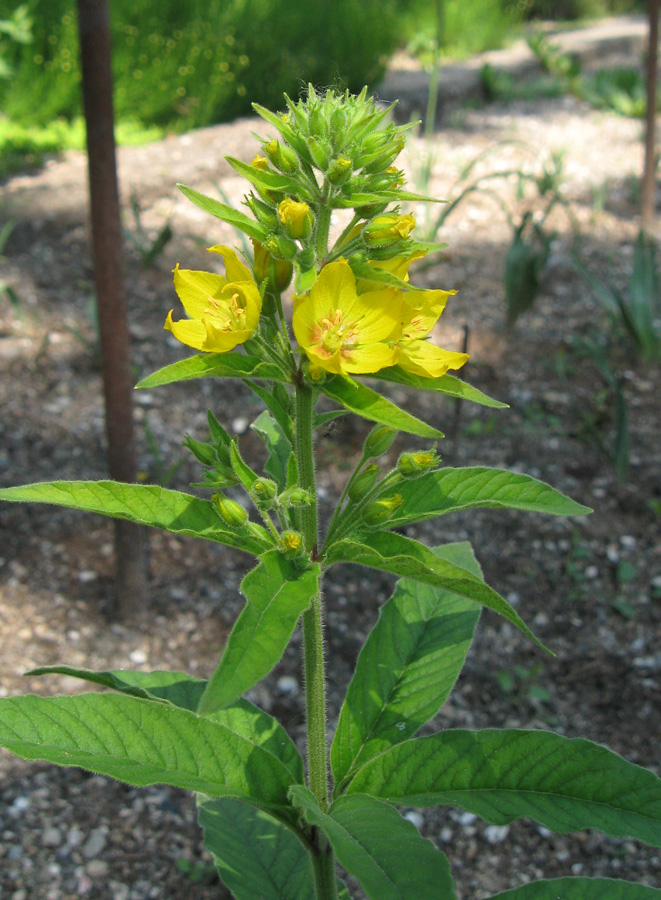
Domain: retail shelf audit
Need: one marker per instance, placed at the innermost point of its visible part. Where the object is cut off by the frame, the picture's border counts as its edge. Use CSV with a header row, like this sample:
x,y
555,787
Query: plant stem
x,y
314,645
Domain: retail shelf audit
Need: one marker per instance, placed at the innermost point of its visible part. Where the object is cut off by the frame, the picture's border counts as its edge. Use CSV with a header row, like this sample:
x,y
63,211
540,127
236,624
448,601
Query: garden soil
x,y
590,588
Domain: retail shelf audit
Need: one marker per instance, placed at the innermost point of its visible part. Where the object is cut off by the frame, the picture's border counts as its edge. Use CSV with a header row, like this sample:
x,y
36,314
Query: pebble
x,y
496,834
97,868
138,657
86,576
240,424
51,837
119,890
289,685
446,835
95,843
75,837
19,895
466,819
19,805
415,818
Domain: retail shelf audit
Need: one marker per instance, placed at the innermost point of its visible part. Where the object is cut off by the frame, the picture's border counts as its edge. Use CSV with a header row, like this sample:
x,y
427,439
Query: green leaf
x,y
146,504
385,852
402,556
563,784
275,406
277,445
251,722
226,213
241,469
185,691
141,742
267,179
276,592
177,688
580,889
365,402
449,490
213,365
407,667
446,384
366,272
258,857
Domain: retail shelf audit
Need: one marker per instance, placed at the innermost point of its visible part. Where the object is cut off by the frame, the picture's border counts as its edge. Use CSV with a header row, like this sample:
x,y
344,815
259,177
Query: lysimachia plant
x,y
276,823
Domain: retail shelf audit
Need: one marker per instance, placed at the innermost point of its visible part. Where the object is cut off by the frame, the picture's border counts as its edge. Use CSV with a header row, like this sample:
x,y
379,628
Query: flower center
x,y
227,314
336,333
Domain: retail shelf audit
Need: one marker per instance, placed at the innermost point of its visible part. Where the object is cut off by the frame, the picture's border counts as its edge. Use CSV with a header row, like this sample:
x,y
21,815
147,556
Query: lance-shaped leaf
x,y
407,667
141,742
268,179
385,852
276,593
563,784
185,691
449,490
580,889
146,504
400,555
178,688
213,365
257,856
278,447
446,384
365,402
226,213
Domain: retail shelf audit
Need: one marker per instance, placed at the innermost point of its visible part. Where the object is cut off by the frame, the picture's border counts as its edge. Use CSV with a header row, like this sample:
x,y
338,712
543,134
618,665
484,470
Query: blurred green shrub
x,y
181,65
579,9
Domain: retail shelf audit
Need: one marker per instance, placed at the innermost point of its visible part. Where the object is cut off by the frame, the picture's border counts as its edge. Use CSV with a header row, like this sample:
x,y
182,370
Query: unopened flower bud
x,y
205,453
231,512
364,482
260,162
296,218
263,492
291,544
411,465
281,247
295,497
386,158
384,231
282,157
263,212
317,374
340,170
379,511
266,266
378,441
318,153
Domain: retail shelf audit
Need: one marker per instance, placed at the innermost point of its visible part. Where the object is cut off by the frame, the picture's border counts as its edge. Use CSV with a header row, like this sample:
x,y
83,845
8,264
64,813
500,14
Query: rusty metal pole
x,y
94,26
648,189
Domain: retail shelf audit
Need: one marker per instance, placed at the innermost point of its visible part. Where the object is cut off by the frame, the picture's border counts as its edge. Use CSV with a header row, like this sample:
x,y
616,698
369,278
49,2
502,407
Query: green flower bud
x,y
263,492
282,157
378,441
386,158
295,497
307,259
385,231
379,511
263,212
319,153
203,452
410,465
340,170
231,512
291,544
281,247
364,482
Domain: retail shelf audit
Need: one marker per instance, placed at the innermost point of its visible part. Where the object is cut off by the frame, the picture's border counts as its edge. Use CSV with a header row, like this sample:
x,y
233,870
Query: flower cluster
x,y
355,312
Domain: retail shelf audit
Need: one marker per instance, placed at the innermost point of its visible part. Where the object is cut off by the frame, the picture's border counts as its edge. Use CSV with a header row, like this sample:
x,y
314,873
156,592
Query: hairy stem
x,y
314,645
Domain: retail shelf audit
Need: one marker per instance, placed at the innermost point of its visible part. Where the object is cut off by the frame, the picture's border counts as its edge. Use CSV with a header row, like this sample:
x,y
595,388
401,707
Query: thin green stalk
x,y
313,637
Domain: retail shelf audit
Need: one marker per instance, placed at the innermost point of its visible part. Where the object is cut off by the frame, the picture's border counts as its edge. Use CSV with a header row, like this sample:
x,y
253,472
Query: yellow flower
x,y
420,311
223,311
295,218
342,331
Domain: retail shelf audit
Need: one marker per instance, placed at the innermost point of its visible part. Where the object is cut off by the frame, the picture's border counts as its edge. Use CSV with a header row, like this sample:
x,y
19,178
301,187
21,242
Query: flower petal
x,y
428,360
194,289
234,268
